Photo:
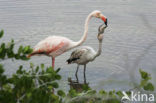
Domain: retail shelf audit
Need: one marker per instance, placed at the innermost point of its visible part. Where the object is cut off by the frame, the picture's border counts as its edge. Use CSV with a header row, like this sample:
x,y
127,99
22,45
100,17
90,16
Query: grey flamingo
x,y
86,54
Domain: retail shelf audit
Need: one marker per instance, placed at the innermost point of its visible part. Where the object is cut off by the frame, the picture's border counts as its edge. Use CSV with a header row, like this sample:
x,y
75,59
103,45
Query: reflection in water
x,y
79,87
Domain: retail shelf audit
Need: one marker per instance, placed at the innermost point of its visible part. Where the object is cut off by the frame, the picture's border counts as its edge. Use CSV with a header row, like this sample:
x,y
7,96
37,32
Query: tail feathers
x,y
28,56
34,53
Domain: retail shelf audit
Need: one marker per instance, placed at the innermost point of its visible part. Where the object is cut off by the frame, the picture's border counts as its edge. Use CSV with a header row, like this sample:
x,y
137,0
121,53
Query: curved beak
x,y
106,22
104,19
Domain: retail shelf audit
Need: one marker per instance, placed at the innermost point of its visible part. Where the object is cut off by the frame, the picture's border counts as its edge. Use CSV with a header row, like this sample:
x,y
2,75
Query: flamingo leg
x,y
53,62
84,73
76,73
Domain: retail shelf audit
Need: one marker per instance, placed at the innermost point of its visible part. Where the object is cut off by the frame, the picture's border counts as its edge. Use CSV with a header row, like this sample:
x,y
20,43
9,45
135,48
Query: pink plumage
x,y
54,46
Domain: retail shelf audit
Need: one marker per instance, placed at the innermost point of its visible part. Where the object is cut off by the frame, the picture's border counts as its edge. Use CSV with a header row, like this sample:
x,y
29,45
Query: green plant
x,y
92,96
37,83
145,83
7,50
34,85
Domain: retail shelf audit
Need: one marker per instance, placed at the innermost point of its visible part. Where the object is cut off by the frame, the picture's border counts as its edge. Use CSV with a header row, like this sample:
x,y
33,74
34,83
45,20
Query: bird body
x,y
82,55
54,46
86,54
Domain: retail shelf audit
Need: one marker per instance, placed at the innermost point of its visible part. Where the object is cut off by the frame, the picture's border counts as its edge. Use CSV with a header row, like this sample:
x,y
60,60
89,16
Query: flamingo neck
x,y
83,38
99,50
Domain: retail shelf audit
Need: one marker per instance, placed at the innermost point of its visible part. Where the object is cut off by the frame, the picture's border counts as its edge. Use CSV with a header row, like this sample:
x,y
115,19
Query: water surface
x,y
129,41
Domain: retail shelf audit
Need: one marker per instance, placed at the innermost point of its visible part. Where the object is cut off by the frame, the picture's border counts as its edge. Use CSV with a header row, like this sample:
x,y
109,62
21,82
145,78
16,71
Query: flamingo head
x,y
98,14
101,31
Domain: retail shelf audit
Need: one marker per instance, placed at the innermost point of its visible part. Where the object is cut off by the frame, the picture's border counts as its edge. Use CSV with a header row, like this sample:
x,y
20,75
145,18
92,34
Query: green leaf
x,y
149,87
85,87
61,93
55,84
58,70
26,49
30,50
119,93
50,70
10,54
128,93
144,74
3,45
1,33
23,57
42,66
19,71
143,82
11,45
37,68
102,92
91,92
55,98
20,49
50,87
31,65
73,93
17,56
58,77
29,94
1,69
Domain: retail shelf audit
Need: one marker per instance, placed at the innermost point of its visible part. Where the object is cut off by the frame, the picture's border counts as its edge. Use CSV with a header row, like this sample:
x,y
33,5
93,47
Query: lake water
x,y
129,41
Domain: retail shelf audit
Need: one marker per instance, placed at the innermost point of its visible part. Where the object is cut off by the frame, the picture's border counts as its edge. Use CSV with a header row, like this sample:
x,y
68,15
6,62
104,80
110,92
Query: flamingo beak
x,y
104,19
106,22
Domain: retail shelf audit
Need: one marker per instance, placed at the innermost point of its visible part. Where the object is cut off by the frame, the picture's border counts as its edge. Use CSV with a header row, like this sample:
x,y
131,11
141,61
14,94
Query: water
x,y
129,41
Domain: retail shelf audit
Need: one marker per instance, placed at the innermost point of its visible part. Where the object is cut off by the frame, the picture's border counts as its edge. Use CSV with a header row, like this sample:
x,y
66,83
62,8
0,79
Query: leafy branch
x,y
7,50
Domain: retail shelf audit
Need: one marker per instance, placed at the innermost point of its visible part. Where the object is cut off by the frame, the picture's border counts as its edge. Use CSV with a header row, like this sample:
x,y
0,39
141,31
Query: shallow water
x,y
129,41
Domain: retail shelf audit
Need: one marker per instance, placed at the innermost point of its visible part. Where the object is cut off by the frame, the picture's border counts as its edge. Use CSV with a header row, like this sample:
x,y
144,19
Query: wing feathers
x,y
75,55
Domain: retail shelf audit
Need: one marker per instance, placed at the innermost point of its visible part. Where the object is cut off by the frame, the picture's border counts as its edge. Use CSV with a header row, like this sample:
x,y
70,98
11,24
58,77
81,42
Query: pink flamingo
x,y
54,46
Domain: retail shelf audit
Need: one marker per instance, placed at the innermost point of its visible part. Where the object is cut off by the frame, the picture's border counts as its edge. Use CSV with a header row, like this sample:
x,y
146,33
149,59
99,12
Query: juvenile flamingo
x,y
54,46
85,54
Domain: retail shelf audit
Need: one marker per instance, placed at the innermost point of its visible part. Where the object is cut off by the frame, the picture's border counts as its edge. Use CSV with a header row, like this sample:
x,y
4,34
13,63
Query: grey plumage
x,y
78,54
85,54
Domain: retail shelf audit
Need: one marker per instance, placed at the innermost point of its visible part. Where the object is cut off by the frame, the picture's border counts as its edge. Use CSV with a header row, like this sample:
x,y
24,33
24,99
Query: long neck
x,y
83,38
99,50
